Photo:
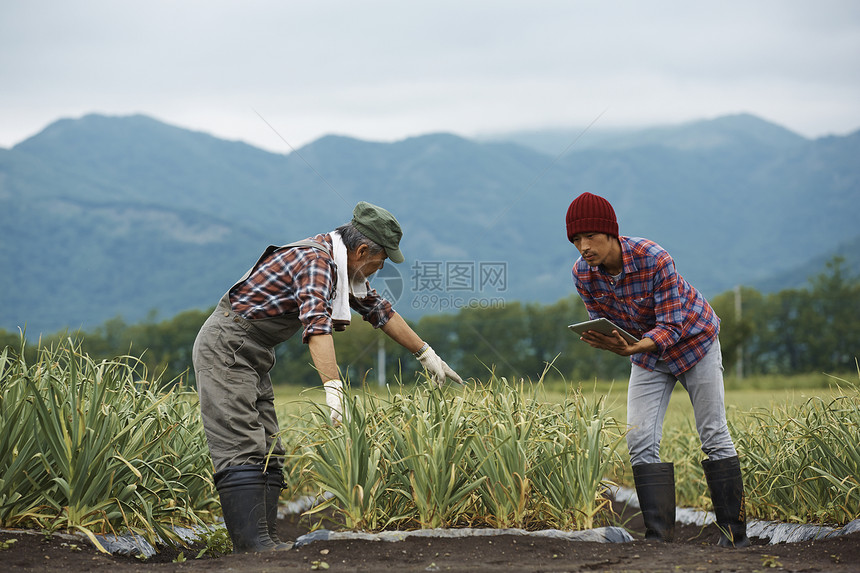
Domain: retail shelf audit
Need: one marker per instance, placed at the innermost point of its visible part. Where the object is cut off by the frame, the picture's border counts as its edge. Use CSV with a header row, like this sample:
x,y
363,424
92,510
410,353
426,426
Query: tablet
x,y
603,326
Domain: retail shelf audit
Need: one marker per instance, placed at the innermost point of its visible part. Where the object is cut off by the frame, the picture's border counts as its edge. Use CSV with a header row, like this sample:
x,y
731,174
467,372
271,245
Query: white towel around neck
x,y
358,288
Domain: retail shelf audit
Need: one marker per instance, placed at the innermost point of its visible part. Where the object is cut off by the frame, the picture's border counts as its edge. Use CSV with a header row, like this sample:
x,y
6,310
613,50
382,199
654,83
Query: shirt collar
x,y
628,261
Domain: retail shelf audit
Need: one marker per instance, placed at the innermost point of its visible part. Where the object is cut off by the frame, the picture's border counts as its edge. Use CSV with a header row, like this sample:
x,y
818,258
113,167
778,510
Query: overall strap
x,y
305,243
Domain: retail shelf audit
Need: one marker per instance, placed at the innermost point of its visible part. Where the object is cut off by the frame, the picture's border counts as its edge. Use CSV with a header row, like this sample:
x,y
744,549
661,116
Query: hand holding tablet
x,y
603,326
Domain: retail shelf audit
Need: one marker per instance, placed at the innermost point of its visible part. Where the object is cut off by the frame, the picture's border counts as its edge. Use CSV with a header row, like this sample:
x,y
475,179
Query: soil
x,y
694,549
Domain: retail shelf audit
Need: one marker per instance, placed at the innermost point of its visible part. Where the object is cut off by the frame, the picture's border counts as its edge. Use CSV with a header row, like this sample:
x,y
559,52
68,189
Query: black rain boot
x,y
727,492
274,484
655,487
242,490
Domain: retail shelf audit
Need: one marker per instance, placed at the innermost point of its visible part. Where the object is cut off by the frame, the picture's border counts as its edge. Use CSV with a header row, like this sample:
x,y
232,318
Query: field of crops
x,y
90,446
489,455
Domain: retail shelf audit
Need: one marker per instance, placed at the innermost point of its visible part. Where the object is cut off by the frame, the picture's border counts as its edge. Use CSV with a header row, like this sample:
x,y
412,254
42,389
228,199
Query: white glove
x,y
334,400
436,367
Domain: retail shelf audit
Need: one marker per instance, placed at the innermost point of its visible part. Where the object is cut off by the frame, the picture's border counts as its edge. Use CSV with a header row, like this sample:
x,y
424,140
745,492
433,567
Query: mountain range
x,y
127,216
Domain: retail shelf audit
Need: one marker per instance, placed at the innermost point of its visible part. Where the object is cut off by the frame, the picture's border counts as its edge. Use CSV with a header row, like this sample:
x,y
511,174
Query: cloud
x,y
385,70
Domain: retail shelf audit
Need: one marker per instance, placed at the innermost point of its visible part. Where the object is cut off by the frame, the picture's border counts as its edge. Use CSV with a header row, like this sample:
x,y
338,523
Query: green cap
x,y
379,226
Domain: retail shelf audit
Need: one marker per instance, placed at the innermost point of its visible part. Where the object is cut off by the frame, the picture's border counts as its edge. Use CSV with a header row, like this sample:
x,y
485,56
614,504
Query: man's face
x,y
595,248
361,263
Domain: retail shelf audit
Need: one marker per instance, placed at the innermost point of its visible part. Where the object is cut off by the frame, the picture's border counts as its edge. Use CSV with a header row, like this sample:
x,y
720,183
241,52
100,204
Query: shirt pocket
x,y
642,307
606,302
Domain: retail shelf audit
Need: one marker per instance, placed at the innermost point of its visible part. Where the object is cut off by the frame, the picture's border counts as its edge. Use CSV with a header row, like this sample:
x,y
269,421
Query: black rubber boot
x,y
242,490
655,487
727,492
274,484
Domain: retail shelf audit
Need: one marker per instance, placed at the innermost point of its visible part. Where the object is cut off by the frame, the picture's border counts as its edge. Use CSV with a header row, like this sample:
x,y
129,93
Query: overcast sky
x,y
385,70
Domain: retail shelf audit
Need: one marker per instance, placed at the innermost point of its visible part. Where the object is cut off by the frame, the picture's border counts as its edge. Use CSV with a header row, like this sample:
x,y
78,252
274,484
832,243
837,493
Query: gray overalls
x,y
232,358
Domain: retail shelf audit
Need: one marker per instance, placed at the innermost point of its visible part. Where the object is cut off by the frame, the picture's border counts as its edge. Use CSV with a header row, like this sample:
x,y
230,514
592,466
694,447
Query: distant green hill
x,y
106,216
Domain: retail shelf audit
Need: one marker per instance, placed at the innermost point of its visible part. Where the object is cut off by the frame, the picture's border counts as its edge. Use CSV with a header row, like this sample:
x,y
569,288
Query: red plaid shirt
x,y
650,299
302,280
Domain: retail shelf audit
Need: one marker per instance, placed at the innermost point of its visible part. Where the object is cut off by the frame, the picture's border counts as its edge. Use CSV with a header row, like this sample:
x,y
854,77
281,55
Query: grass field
x,y
741,396
796,436
97,445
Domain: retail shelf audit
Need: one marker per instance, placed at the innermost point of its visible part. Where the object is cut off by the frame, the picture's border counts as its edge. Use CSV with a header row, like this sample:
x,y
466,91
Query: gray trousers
x,y
232,358
648,397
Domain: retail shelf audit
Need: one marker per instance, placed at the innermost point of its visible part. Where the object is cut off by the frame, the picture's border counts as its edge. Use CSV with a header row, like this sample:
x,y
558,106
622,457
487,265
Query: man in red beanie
x,y
633,282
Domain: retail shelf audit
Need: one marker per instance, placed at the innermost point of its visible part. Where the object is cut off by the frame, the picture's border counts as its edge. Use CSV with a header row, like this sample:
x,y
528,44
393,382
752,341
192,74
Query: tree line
x,y
795,331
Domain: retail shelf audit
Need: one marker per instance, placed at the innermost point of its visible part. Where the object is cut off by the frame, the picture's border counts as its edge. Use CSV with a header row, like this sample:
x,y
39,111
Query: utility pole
x,y
739,364
380,361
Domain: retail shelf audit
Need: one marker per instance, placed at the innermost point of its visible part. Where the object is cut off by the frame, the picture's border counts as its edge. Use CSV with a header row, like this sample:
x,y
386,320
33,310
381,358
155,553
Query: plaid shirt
x,y
302,280
650,299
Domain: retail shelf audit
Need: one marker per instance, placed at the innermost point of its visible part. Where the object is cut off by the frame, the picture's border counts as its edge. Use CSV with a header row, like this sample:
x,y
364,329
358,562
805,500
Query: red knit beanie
x,y
591,214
